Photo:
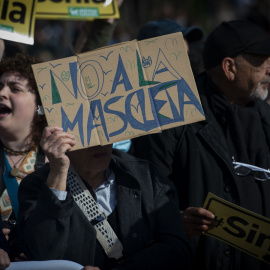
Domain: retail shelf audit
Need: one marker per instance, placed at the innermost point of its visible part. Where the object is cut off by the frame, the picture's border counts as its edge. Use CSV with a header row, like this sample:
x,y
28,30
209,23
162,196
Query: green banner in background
x,y
76,9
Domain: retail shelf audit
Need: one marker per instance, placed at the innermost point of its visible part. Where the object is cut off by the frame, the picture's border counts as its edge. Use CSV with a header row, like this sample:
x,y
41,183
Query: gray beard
x,y
259,94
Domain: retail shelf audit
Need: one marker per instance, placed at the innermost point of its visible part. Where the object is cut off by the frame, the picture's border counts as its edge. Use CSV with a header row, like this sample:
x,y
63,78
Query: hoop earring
x,y
40,110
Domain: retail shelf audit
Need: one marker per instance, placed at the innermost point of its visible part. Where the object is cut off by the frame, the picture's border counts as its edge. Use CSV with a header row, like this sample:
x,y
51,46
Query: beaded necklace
x,y
16,153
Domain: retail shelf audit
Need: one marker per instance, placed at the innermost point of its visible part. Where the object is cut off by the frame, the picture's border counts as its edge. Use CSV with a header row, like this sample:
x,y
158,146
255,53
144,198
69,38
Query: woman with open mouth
x,y
21,125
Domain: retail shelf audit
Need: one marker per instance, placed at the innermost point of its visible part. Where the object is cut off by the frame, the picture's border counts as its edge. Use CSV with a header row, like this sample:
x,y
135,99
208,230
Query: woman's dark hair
x,y
21,63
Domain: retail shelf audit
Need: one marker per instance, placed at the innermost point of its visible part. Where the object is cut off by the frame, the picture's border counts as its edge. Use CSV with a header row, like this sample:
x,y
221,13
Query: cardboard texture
x,y
120,92
239,227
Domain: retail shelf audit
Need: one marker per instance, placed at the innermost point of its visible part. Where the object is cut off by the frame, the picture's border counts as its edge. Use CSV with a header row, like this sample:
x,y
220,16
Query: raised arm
x,y
55,143
44,221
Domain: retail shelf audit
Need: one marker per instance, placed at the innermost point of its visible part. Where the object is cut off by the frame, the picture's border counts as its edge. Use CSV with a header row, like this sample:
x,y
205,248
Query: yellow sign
x,y
121,91
76,9
17,20
240,227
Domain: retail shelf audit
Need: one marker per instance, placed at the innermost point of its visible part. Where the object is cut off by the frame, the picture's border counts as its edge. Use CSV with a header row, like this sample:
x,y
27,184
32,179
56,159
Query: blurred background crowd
x,y
56,39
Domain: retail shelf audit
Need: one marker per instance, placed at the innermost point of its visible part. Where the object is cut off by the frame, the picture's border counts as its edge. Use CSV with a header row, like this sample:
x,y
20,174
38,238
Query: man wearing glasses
x,y
228,153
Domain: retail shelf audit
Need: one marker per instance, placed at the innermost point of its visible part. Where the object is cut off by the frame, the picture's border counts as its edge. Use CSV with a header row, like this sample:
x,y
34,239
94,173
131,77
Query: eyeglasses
x,y
243,169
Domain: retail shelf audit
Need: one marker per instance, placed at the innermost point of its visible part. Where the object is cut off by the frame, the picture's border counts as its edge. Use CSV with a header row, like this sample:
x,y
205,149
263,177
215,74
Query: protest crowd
x,y
191,196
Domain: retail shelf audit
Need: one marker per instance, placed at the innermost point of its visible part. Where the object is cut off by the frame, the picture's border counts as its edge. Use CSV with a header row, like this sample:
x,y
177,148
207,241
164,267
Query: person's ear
x,y
229,68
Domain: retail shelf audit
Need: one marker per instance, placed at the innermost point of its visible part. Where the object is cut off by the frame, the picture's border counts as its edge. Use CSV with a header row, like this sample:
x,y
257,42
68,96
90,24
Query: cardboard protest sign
x,y
17,21
121,91
76,9
240,227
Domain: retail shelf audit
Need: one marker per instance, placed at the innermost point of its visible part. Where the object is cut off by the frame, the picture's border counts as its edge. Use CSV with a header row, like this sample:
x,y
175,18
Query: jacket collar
x,y
264,110
211,132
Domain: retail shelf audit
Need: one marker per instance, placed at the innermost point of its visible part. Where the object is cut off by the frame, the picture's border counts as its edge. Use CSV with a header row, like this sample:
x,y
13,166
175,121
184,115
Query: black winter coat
x,y
197,159
150,227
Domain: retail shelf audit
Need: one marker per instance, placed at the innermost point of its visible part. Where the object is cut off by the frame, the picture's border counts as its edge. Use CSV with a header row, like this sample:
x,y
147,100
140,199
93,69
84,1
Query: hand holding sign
x,y
55,143
197,221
